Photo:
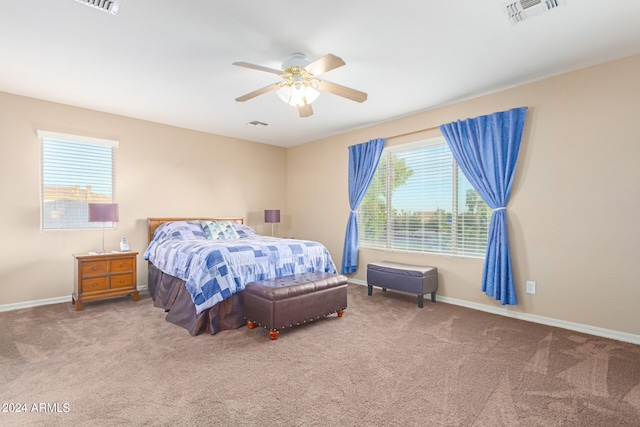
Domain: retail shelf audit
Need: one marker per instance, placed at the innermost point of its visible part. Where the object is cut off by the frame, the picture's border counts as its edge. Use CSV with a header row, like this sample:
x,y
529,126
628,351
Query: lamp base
x,y
103,251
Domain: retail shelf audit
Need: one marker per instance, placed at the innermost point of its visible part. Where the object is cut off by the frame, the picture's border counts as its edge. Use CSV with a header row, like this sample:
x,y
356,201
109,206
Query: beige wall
x,y
572,216
574,209
160,171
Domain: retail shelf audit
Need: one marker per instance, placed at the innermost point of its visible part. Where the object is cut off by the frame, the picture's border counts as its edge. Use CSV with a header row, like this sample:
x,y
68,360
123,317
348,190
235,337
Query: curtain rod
x,y
420,131
412,133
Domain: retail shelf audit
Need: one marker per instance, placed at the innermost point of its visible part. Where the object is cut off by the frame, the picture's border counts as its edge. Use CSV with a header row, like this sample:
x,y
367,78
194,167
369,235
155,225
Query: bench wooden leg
x,y
273,334
433,296
420,300
369,289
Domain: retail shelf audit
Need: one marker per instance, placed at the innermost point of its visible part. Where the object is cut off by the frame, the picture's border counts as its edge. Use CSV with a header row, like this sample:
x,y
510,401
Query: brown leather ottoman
x,y
289,301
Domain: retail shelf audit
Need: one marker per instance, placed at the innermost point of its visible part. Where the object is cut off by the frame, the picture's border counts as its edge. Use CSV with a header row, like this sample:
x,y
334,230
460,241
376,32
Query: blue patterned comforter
x,y
213,270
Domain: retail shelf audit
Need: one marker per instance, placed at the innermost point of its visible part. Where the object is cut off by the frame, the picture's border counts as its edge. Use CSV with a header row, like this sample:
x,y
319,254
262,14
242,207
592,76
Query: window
x,y
420,200
75,171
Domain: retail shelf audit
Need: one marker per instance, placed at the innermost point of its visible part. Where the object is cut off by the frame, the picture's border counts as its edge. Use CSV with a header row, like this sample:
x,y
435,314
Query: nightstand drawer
x,y
121,281
95,284
121,265
94,268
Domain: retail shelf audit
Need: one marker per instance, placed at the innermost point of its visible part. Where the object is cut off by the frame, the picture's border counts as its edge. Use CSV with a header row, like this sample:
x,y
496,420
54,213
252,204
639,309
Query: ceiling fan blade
x,y
326,63
343,91
266,89
258,67
305,110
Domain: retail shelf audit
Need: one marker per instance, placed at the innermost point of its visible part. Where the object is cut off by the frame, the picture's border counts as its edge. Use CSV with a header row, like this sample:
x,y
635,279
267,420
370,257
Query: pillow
x,y
219,230
244,231
179,230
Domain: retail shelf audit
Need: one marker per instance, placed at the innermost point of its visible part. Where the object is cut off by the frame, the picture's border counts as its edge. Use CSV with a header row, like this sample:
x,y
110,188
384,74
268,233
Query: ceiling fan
x,y
300,86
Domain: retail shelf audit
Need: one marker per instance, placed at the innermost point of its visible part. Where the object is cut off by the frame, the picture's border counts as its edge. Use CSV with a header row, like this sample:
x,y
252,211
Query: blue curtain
x,y
486,149
363,162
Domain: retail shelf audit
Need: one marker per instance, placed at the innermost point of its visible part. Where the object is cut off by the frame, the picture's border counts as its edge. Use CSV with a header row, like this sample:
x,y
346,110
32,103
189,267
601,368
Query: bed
x,y
198,268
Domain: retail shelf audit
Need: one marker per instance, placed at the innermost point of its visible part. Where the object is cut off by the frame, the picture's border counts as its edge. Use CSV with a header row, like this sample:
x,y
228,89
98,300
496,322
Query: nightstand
x,y
99,276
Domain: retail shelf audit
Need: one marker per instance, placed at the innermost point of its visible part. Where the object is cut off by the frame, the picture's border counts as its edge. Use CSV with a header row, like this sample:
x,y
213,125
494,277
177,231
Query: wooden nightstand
x,y
101,276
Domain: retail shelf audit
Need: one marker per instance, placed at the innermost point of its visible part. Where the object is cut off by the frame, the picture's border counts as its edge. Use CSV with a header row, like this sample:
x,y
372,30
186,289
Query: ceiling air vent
x,y
110,6
518,11
257,124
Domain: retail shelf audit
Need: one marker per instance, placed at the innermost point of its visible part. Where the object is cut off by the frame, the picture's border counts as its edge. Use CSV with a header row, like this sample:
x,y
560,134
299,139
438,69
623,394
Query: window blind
x,y
75,171
420,201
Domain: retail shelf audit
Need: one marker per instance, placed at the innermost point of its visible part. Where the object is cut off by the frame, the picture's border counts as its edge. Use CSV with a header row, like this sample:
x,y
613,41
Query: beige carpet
x,y
385,363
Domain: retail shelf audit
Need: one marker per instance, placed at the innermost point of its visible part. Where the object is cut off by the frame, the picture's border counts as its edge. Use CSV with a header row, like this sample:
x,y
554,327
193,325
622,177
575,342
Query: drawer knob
x,y
94,268
122,264
94,284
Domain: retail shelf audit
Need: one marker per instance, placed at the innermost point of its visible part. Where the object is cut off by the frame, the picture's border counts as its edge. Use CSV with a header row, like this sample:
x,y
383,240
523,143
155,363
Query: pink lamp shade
x,y
271,216
103,212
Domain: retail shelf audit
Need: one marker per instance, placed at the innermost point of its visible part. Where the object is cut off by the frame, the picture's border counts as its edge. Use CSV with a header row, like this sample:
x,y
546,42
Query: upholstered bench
x,y
415,279
289,301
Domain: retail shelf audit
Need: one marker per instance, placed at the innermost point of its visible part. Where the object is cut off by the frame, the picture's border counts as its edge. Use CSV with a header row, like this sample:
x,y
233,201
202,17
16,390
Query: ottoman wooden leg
x,y
340,313
250,324
273,334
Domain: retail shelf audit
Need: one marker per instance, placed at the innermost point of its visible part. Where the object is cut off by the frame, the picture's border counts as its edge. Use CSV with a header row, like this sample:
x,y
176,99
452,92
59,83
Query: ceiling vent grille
x,y
518,11
110,6
257,124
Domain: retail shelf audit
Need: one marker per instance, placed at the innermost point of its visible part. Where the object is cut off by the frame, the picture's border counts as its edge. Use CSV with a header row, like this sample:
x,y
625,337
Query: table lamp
x,y
271,216
103,212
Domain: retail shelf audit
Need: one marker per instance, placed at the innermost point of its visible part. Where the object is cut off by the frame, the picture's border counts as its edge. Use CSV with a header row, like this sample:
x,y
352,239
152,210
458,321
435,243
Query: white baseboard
x,y
47,301
578,327
36,303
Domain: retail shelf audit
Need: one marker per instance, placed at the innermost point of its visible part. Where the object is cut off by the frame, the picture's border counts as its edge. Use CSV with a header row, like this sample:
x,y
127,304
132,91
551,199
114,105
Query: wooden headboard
x,y
153,223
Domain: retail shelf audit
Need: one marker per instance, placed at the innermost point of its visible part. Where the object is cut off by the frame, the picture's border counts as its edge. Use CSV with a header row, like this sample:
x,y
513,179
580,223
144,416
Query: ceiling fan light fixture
x,y
299,86
297,94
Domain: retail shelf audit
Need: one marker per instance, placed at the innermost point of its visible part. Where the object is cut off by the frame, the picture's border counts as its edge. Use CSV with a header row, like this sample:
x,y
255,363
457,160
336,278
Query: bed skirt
x,y
169,292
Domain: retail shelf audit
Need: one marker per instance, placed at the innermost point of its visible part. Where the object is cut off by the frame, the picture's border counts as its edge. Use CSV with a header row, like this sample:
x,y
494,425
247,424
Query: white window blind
x,y
419,200
75,171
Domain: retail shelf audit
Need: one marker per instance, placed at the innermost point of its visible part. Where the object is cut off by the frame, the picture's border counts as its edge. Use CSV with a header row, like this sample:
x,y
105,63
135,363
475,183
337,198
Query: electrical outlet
x,y
531,287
